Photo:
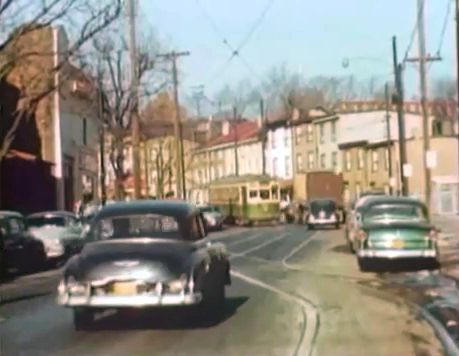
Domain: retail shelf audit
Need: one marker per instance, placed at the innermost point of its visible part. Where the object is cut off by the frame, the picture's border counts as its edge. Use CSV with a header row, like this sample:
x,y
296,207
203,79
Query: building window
x,y
310,160
287,166
358,190
322,133
333,131
286,140
298,134
322,160
310,133
361,158
299,162
334,160
275,163
348,160
85,132
374,161
273,140
386,158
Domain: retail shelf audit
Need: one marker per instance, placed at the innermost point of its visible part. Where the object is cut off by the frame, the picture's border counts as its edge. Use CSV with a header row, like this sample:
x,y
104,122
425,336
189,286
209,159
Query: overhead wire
x,y
414,31
444,26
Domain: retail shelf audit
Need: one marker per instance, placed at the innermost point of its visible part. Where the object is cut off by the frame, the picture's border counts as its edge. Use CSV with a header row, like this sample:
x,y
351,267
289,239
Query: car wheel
x,y
310,227
337,226
82,318
351,247
364,264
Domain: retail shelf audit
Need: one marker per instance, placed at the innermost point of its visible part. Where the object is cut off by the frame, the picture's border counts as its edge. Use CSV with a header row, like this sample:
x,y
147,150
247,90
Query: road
x,y
294,292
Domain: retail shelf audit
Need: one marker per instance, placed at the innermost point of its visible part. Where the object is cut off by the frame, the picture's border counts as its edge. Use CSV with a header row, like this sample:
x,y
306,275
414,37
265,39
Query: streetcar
x,y
247,199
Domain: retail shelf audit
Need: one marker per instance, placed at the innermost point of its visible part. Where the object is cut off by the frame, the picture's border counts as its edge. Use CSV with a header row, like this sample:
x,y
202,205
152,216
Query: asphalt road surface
x,y
294,292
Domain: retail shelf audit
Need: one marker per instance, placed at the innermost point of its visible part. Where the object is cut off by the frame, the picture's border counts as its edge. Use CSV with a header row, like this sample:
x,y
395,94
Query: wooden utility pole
x,y
389,137
100,114
399,100
178,132
264,136
422,60
236,141
134,109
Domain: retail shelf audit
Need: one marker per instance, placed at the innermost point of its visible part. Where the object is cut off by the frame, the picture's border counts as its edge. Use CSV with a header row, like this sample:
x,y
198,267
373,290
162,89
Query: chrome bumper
x,y
323,222
393,254
110,301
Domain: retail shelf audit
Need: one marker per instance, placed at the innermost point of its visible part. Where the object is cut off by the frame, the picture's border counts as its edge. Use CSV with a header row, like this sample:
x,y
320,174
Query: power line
x,y
444,27
413,33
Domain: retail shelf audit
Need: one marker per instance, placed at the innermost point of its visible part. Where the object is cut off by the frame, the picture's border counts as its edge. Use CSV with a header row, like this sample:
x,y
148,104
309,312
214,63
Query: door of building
x,y
447,199
69,198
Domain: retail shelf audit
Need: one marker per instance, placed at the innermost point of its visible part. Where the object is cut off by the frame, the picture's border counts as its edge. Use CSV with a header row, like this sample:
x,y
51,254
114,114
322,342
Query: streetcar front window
x,y
264,194
253,194
274,192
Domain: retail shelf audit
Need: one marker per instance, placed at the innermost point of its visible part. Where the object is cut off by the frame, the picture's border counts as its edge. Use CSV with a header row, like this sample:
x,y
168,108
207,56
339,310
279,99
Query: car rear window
x,y
135,226
395,212
46,221
326,205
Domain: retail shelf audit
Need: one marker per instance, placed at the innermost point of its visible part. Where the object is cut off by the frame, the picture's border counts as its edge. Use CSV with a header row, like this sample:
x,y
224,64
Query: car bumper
x,y
105,301
323,222
394,254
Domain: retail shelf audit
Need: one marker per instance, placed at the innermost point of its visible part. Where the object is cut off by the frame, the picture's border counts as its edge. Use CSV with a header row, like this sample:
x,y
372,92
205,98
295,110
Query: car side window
x,y
196,233
201,224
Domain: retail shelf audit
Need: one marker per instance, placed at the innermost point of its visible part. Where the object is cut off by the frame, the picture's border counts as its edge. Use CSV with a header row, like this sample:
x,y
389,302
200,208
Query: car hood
x,y
156,258
54,232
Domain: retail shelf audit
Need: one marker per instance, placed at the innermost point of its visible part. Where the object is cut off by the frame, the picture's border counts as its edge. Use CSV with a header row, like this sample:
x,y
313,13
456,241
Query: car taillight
x,y
433,235
362,235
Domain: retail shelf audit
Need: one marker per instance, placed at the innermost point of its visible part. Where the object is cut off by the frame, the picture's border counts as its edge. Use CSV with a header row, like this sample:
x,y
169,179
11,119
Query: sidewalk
x,y
449,226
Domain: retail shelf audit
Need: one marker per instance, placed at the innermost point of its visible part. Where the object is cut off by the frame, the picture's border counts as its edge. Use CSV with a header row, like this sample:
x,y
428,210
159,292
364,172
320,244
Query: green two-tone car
x,y
394,228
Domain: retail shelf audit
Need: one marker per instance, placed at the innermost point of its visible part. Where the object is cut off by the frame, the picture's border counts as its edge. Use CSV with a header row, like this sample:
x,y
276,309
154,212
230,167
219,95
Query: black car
x,y
322,212
19,252
145,254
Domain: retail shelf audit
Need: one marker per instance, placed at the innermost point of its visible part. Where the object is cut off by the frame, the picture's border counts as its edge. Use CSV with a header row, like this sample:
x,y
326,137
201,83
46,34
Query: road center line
x,y
297,249
266,243
307,340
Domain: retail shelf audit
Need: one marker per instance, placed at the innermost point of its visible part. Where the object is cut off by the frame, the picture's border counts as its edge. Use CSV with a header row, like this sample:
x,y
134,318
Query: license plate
x,y
125,288
398,244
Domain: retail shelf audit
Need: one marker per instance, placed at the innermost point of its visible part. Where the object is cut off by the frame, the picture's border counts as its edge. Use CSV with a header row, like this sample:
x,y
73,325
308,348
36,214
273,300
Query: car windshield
x,y
395,212
322,205
46,221
11,226
135,226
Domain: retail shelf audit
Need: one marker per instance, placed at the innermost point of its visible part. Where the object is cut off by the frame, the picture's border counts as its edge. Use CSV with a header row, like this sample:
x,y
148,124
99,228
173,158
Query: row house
x,y
237,151
368,141
279,149
62,133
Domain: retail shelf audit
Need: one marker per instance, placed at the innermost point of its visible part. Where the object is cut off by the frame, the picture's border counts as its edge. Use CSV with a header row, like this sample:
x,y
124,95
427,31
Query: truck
x,y
319,184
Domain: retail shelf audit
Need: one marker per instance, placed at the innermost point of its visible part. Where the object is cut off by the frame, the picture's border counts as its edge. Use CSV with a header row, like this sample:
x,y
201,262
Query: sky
x,y
311,37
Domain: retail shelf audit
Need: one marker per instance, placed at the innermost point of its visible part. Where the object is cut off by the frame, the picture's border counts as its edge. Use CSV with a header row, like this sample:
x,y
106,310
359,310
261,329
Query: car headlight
x,y
311,218
178,285
210,219
74,287
54,245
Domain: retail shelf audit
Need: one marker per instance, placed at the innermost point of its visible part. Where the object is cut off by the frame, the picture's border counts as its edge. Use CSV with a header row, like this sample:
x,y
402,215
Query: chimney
x,y
226,128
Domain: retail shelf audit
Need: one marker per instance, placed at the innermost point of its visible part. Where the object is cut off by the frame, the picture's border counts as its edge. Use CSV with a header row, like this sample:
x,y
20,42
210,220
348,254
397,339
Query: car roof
x,y
57,213
10,214
388,199
179,209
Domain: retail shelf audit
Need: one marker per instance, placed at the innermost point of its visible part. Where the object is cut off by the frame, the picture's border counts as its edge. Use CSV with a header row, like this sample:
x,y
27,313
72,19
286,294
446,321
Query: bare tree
x,y
444,88
111,60
241,96
21,57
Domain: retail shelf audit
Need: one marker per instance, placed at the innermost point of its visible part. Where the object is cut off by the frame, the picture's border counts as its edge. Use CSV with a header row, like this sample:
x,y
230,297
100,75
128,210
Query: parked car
x,y
19,252
61,233
214,216
353,218
149,253
322,212
395,228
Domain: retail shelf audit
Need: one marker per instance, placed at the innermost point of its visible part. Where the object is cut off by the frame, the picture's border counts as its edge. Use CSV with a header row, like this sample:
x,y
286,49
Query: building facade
x,y
279,150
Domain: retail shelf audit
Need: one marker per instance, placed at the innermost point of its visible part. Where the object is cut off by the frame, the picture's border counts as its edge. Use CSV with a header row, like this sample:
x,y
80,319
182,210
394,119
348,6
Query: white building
x,y
218,158
278,151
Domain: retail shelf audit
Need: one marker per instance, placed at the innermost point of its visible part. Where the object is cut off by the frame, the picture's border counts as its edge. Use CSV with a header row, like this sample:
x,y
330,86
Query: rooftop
x,y
242,131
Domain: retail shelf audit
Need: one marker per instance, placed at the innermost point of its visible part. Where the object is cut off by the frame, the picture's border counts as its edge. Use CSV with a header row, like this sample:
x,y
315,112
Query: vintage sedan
x,y
322,212
395,228
214,217
145,254
19,252
60,231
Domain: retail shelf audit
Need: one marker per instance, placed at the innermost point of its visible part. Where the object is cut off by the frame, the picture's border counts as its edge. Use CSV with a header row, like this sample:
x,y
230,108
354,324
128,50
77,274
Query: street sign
x,y
431,159
407,170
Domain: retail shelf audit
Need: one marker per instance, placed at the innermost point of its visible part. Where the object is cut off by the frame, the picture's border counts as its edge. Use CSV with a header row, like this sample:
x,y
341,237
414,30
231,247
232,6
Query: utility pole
x,y
264,133
100,114
399,99
423,59
389,137
135,124
178,132
236,141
